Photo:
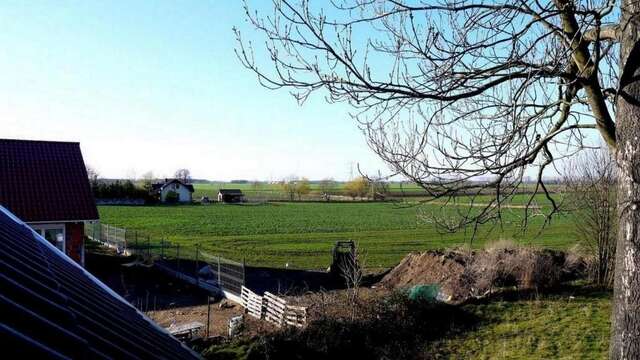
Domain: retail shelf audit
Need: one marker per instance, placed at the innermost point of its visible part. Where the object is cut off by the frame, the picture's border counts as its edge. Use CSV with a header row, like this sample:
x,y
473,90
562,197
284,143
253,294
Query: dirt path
x,y
504,206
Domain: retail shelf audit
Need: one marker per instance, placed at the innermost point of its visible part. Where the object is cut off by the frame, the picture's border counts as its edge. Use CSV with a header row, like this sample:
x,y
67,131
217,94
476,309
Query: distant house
x,y
230,195
183,191
45,184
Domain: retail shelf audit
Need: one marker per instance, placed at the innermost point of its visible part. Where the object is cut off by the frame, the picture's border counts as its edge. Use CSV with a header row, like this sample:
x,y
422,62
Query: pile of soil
x,y
464,274
432,267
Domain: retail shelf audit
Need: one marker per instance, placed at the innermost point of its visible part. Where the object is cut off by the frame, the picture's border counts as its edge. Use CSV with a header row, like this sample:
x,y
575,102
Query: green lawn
x,y
302,234
564,326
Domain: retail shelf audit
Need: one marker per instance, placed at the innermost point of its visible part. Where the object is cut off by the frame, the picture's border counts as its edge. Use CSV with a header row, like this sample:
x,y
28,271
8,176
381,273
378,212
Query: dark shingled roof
x,y
230,191
45,181
52,308
159,186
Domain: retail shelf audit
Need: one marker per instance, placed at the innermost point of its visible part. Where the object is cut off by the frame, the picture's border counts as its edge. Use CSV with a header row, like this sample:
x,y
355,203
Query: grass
x,y
302,234
552,327
211,189
275,190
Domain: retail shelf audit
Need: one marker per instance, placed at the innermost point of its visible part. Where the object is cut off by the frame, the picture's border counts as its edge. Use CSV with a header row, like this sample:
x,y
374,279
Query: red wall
x,y
75,241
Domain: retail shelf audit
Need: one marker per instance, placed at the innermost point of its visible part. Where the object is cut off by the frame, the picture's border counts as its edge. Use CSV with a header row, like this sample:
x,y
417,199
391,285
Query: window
x,y
54,233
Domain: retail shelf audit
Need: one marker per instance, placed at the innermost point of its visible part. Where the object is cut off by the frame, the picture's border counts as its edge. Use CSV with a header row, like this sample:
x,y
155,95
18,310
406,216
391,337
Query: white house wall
x,y
184,195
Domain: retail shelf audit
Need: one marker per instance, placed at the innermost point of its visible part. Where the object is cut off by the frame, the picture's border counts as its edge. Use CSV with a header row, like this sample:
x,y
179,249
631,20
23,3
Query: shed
x,y
230,195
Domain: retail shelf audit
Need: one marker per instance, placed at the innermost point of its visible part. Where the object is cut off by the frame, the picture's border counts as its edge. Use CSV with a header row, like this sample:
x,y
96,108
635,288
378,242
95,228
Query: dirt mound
x,y
464,274
432,267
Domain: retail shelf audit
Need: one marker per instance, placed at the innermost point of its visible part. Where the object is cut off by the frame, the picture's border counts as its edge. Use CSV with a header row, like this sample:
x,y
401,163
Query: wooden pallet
x,y
252,302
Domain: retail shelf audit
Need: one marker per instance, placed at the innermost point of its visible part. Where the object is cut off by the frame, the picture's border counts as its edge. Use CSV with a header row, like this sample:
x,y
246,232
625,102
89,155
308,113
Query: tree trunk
x,y
625,339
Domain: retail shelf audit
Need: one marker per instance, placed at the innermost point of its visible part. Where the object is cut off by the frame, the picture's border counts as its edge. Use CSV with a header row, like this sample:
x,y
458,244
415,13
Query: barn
x,y
183,190
45,184
230,195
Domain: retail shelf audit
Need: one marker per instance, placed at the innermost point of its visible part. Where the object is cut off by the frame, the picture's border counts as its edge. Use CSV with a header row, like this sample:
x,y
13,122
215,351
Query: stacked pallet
x,y
273,309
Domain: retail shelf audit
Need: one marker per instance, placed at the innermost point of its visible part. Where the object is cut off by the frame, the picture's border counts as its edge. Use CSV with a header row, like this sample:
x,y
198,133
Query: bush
x,y
393,327
172,197
522,267
118,190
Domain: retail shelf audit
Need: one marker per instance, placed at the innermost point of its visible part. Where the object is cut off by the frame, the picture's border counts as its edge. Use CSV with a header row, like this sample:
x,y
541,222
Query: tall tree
x,y
288,186
358,187
183,175
591,188
327,186
93,175
302,187
449,91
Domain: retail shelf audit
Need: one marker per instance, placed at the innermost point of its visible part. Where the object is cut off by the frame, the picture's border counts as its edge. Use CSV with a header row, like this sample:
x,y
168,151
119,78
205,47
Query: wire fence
x,y
189,260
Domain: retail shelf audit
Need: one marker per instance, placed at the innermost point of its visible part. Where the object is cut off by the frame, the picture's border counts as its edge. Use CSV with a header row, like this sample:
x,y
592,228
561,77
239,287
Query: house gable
x,y
45,181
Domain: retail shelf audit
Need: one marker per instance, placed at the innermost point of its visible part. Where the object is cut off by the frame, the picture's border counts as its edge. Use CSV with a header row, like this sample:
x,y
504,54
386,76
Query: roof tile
x,y
45,181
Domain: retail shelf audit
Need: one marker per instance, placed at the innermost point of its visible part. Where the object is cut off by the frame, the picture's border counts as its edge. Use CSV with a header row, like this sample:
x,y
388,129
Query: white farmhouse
x,y
183,191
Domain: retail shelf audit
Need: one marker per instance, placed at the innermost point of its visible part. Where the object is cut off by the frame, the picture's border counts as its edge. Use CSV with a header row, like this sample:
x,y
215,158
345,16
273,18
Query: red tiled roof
x,y
45,181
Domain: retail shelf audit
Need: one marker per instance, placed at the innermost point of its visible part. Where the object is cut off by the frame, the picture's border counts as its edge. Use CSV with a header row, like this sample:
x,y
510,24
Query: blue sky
x,y
150,85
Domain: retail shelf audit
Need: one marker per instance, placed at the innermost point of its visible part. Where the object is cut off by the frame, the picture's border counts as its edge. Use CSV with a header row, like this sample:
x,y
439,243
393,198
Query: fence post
x,y
208,313
148,247
136,235
162,248
197,274
178,257
125,242
219,283
243,267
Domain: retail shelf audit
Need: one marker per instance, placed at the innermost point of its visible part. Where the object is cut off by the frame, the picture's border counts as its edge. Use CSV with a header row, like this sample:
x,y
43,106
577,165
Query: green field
x,y
302,234
275,190
211,189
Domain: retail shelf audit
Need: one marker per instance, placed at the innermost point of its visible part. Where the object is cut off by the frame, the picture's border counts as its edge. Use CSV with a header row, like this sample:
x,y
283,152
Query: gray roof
x,y
52,308
230,192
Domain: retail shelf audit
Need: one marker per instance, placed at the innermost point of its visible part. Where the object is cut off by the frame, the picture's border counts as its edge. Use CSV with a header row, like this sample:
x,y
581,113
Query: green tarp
x,y
424,292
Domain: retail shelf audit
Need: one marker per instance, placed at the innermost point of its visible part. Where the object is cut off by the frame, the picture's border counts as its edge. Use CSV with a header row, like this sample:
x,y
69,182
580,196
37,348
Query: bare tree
x,y
591,185
288,186
448,91
147,180
358,187
327,187
256,186
350,267
302,187
93,175
183,175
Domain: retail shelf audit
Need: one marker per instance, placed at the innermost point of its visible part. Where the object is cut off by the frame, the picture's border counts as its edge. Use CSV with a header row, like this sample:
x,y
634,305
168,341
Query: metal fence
x,y
189,260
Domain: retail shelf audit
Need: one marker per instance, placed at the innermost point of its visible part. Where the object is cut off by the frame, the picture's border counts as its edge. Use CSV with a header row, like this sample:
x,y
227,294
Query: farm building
x,y
53,309
230,195
183,191
45,184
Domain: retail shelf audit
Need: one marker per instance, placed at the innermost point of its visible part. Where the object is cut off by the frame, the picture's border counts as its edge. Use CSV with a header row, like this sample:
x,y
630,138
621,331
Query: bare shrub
x,y
351,270
575,263
504,265
535,269
591,183
491,269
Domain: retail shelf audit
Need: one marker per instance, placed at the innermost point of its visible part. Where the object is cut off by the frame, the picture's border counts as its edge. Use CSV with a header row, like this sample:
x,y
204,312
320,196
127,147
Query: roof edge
x,y
41,141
